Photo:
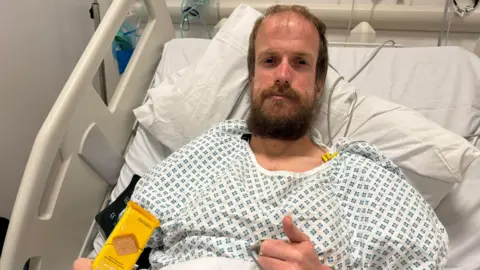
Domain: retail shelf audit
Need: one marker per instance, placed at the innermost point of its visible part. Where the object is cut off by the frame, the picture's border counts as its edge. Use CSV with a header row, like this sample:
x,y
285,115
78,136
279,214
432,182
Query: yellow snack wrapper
x,y
127,241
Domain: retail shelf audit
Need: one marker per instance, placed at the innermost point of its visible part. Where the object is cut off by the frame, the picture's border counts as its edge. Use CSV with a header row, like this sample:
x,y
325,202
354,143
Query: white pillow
x,y
206,91
415,74
432,158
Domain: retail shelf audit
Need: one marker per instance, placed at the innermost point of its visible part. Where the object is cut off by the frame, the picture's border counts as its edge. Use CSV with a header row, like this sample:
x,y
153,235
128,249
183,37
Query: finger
x,y
279,249
82,264
269,263
294,234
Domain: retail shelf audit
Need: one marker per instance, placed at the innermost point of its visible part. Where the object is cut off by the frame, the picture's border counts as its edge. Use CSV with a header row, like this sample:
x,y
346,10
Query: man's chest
x,y
242,196
243,205
296,164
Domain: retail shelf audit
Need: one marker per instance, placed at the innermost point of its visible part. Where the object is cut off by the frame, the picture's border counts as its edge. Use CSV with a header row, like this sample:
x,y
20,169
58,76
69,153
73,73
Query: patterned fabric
x,y
213,199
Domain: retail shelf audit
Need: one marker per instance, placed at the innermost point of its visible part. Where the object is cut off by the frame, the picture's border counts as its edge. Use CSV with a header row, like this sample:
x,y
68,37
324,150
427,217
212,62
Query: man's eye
x,y
301,62
269,61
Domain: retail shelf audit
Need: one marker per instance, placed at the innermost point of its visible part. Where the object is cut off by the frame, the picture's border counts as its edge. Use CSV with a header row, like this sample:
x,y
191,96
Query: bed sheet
x,y
145,151
459,212
452,102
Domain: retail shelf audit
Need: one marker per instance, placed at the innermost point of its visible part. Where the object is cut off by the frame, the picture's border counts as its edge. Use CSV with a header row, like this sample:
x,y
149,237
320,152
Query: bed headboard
x,y
60,192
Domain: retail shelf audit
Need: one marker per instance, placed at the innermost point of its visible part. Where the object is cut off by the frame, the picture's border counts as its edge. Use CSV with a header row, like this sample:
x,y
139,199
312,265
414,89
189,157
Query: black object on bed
x,y
3,232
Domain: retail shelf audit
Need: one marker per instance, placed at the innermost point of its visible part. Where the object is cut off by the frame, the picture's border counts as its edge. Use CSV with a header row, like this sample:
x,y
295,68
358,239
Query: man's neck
x,y
274,148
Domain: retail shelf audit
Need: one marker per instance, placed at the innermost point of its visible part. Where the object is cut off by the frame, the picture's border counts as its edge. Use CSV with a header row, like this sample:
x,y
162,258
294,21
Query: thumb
x,y
294,234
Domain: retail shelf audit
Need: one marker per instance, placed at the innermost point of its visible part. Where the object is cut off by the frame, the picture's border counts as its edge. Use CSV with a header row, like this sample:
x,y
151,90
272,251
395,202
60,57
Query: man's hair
x,y
322,61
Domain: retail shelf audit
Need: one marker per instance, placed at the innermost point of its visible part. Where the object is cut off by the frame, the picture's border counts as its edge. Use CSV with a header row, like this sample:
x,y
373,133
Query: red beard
x,y
279,112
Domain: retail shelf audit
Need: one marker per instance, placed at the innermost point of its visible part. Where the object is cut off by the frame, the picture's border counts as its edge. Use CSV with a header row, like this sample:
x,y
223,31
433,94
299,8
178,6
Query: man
x,y
265,179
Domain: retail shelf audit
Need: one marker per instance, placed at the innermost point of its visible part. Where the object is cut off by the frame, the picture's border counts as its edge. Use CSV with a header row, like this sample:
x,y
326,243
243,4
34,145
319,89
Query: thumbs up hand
x,y
299,254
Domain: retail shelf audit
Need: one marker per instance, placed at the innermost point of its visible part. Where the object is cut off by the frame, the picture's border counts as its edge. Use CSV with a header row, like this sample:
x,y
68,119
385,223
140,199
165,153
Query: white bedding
x,y
442,83
216,263
413,80
145,151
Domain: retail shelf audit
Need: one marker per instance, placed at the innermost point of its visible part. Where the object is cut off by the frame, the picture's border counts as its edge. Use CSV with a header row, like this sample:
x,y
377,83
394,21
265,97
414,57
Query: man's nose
x,y
284,73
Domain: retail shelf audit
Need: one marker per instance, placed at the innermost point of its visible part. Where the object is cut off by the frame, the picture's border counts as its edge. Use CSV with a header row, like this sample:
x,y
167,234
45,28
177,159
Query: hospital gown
x,y
213,199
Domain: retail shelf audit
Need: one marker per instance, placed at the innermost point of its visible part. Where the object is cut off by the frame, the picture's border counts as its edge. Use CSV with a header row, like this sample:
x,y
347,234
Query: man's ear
x,y
250,81
319,91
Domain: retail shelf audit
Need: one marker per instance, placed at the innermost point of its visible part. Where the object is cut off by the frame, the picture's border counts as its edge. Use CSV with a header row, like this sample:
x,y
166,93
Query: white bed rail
x,y
60,192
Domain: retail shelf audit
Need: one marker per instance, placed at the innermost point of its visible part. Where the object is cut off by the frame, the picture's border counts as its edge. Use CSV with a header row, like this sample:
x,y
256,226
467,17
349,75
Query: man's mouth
x,y
281,97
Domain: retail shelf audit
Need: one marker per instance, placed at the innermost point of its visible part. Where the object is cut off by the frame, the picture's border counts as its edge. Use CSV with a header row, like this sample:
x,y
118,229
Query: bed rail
x,y
61,192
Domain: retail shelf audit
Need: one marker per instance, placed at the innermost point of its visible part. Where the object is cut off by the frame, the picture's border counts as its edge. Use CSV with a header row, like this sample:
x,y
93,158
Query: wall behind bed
x,y
40,45
418,34
465,37
406,38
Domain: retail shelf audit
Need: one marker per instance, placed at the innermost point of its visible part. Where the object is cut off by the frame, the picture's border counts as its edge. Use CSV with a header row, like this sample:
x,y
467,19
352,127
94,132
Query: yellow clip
x,y
327,156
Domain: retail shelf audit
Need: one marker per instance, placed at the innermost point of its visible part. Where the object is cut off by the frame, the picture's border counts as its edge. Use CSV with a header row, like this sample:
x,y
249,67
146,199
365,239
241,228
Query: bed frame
x,y
78,152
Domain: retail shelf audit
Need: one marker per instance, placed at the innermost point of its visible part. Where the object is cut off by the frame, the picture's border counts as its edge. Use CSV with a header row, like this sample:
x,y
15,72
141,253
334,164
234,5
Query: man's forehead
x,y
287,22
288,31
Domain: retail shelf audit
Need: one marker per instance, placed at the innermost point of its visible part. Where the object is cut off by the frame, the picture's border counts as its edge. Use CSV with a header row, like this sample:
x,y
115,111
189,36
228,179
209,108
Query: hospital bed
x,y
81,150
